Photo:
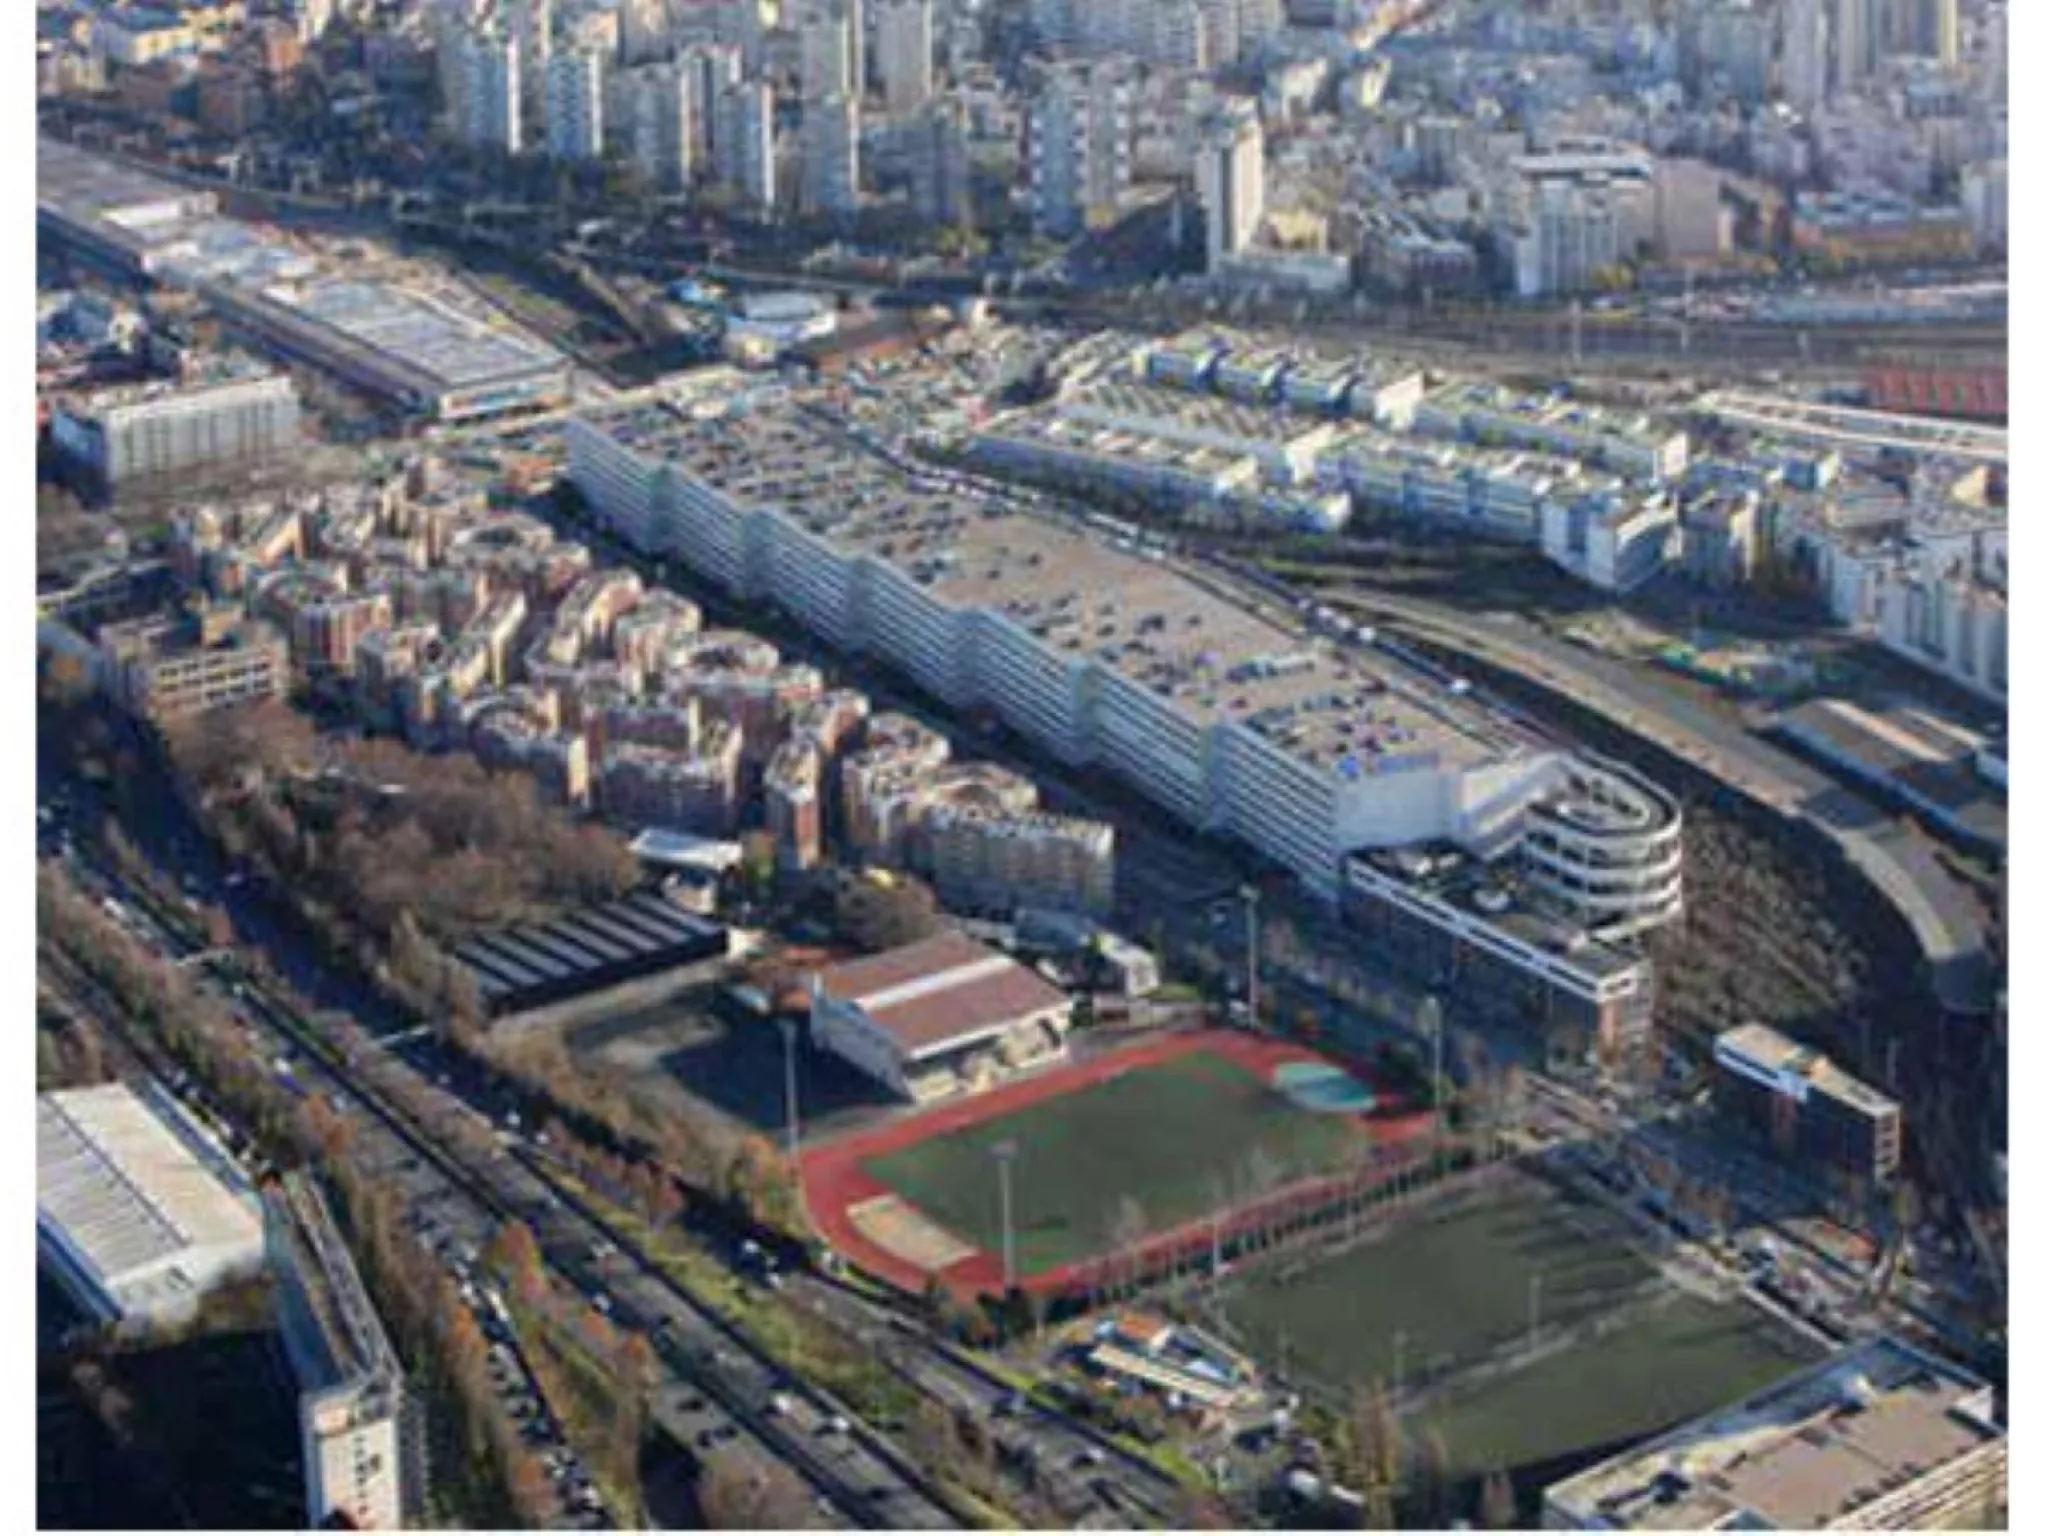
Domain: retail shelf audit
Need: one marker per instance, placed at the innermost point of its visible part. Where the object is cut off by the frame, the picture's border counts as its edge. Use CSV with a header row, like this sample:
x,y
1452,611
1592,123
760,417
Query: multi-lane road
x,y
719,1395
717,1391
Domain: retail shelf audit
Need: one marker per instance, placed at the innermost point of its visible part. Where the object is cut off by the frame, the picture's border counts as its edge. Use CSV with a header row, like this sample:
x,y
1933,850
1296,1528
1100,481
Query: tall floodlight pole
x,y
1431,1018
789,1087
1005,1153
1251,951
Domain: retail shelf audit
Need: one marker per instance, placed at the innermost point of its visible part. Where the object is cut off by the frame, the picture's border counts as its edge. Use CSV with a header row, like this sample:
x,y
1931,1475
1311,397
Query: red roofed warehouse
x,y
942,1016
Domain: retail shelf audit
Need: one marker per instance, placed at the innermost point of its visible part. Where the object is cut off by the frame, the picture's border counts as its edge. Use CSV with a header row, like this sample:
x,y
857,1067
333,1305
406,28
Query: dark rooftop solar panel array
x,y
586,951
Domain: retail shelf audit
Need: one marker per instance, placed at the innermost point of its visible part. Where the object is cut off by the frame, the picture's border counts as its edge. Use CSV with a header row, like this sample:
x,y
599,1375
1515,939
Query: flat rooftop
x,y
1185,416
1772,1052
1078,594
1496,894
1921,757
420,330
1808,1453
87,187
141,1199
1555,413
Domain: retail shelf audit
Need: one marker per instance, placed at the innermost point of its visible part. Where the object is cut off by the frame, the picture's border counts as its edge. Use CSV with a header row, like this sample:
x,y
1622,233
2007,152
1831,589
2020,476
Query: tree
x,y
767,1498
515,1253
1376,1440
757,866
1433,1481
637,1364
532,1495
1497,1510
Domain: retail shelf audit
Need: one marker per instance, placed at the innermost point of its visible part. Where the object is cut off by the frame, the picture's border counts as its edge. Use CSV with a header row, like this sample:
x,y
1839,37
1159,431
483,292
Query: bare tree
x,y
767,1498
1497,1508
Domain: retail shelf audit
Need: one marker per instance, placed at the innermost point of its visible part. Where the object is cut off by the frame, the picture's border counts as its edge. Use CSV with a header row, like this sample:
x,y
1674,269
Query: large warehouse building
x,y
423,348
1301,749
139,1213
942,1016
586,951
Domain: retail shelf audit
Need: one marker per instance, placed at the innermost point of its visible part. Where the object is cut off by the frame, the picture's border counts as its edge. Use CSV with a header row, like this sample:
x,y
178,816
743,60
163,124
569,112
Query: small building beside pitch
x,y
943,1016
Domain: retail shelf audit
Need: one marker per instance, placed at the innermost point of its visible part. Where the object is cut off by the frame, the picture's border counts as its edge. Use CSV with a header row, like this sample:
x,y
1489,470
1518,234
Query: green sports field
x,y
1673,1359
1178,1137
1455,1286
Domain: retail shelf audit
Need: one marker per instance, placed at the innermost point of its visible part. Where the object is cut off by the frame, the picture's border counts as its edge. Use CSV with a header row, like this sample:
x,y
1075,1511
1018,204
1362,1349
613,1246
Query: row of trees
x,y
478,1447
1403,1482
595,1375
632,1147
390,855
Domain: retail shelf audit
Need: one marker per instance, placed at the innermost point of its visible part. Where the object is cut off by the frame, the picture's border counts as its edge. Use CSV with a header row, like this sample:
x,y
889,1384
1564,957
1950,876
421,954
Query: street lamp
x,y
789,1087
1005,1153
1251,950
1431,1017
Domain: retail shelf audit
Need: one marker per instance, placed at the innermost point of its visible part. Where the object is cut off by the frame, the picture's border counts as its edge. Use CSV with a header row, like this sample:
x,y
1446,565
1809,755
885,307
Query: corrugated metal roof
x,y
137,1194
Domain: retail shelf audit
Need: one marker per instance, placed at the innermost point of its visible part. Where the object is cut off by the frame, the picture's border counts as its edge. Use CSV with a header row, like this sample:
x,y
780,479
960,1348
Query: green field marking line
x,y
1166,1134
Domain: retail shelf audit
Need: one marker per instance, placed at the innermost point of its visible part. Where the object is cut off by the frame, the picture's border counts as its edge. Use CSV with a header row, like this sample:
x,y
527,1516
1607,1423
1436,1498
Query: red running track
x,y
835,1179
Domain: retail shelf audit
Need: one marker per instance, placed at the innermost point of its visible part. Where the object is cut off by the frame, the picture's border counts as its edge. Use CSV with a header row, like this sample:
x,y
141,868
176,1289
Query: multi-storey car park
x,y
1108,658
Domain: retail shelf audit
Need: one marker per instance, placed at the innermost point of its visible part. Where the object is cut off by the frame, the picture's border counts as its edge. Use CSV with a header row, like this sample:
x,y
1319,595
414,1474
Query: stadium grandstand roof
x,y
939,992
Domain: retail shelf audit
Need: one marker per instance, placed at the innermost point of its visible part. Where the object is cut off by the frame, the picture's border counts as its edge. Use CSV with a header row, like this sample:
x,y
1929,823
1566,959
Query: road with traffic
x,y
745,1401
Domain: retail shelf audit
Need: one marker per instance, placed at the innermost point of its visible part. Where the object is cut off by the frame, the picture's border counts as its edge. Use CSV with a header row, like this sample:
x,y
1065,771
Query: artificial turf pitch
x,y
1454,1288
1179,1137
1444,1289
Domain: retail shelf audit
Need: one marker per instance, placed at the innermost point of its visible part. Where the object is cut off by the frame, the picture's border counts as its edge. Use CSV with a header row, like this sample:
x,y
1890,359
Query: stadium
x,y
1119,1165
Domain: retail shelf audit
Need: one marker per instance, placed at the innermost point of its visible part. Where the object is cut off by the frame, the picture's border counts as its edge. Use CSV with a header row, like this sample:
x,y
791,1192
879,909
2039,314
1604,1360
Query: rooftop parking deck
x,y
1214,658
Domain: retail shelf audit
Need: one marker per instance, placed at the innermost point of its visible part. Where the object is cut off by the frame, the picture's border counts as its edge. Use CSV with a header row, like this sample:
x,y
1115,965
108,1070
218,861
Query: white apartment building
x,y
575,105
1230,179
737,24
359,1462
1080,146
1944,619
743,148
940,170
490,71
662,126
1803,54
711,68
1854,35
985,860
904,53
1984,203
831,157
532,27
826,56
119,436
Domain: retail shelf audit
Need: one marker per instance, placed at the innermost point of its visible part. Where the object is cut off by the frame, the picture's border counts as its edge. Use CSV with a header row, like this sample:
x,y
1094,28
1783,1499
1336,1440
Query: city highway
x,y
865,1481
718,1391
